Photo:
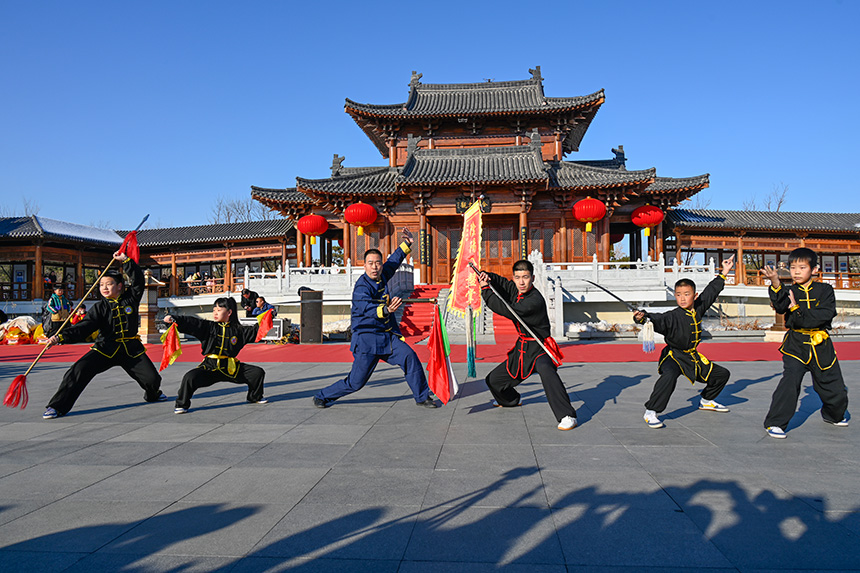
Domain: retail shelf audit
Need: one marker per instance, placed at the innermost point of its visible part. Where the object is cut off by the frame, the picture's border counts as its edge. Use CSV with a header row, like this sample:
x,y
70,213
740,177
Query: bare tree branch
x,y
777,197
239,211
31,207
750,203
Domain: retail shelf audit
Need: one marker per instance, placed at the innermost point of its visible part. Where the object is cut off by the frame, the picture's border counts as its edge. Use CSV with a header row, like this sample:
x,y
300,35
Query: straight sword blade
x,y
613,295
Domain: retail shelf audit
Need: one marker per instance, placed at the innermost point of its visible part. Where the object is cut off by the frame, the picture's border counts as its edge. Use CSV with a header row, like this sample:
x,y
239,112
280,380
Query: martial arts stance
x,y
809,307
116,318
526,356
220,340
375,332
682,327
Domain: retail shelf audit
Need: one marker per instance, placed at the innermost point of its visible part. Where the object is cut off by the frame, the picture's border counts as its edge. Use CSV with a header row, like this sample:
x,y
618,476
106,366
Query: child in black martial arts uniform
x,y
221,342
809,307
116,319
526,356
682,327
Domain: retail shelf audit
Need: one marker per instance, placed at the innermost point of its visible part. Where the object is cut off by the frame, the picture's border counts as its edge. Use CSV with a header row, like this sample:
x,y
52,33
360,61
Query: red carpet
x,y
573,352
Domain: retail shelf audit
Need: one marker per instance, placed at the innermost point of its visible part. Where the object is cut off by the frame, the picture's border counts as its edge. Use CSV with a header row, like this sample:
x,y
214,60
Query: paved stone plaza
x,y
376,484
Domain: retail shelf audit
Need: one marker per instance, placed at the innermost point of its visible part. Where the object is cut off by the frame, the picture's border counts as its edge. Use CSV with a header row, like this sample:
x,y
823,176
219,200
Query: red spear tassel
x,y
17,393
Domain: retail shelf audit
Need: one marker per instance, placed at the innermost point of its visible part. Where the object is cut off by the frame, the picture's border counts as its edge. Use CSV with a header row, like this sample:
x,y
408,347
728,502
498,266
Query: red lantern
x,y
360,214
616,237
647,216
312,225
588,211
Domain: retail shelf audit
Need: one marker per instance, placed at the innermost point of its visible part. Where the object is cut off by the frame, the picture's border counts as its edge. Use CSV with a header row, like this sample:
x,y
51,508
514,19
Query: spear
x,y
17,392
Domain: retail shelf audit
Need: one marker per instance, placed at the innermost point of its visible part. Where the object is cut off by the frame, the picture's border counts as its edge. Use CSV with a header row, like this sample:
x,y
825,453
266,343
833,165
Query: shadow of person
x,y
595,398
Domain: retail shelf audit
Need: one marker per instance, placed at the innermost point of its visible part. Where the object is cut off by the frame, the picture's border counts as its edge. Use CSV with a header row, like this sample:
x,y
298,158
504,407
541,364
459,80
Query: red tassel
x,y
17,393
130,247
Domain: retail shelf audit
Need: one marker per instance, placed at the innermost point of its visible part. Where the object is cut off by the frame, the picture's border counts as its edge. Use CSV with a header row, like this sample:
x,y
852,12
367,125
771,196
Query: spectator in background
x,y
248,302
263,306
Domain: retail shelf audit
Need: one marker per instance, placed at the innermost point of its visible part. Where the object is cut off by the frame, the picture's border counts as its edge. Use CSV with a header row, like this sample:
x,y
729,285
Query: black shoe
x,y
428,403
320,403
160,398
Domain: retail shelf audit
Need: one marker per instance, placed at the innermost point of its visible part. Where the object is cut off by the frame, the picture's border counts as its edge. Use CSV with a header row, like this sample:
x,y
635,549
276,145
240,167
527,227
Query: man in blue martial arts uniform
x,y
376,334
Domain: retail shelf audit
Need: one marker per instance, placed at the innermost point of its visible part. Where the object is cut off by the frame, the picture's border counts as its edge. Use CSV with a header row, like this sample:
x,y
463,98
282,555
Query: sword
x,y
521,321
613,295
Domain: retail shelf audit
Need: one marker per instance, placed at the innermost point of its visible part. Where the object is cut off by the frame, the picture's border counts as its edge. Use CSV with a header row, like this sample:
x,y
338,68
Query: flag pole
x,y
517,316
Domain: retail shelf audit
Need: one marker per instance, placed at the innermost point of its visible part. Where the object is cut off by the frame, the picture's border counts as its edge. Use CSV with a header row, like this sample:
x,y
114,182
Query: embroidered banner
x,y
465,290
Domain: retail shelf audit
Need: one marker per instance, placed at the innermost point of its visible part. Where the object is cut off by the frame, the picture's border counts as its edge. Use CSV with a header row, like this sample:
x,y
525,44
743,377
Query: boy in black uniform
x,y
809,307
682,327
527,355
116,319
220,340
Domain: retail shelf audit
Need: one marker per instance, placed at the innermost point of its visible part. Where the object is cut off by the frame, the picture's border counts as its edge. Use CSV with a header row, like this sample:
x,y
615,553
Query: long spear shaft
x,y
521,321
94,285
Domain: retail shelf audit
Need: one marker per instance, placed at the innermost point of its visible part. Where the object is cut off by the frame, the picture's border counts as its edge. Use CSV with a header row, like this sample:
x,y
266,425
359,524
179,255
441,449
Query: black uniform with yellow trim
x,y
220,345
807,346
682,329
526,356
118,344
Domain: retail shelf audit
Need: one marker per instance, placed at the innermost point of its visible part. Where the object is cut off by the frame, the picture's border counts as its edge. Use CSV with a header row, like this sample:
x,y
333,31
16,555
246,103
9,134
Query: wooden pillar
x,y
563,232
300,248
658,242
392,152
228,270
386,243
631,244
524,233
80,287
740,268
328,252
558,147
174,280
677,247
347,243
38,279
603,243
309,253
422,246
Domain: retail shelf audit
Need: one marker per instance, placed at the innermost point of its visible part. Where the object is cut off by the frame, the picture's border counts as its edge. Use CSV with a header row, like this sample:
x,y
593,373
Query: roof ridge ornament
x,y
536,73
620,157
415,81
336,164
534,139
411,144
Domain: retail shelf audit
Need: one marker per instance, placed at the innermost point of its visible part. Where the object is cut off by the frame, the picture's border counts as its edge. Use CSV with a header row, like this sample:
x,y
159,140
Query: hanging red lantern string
x,y
312,225
360,214
589,211
647,216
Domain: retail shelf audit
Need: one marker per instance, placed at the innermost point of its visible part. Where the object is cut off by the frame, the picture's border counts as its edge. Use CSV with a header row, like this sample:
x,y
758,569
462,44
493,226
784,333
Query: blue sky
x,y
116,109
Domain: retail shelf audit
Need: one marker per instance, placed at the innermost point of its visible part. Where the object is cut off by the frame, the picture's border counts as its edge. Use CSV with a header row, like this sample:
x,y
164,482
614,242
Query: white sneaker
x,y
775,432
652,420
841,423
567,423
712,406
180,410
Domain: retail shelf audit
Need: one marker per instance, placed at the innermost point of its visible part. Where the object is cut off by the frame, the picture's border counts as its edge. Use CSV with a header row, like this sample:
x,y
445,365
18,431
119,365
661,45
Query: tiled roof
x,y
360,181
289,195
480,165
217,232
440,100
575,175
664,184
764,220
42,227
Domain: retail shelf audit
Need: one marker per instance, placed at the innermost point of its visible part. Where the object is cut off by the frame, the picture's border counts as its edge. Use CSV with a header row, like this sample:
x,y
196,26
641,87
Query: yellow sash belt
x,y
232,363
816,337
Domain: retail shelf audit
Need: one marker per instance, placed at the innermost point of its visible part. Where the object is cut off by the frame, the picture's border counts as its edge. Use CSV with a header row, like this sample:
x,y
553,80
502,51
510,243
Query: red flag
x,y
130,248
554,350
440,375
172,348
17,393
266,324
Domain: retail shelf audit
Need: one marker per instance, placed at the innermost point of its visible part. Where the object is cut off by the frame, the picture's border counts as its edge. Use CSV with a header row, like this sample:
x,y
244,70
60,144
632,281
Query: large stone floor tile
x,y
283,486
90,432
117,562
393,455
52,481
371,486
167,432
115,453
296,456
218,529
315,565
585,458
432,432
486,488
245,433
196,453
634,488
346,434
75,526
501,536
148,483
489,457
313,530
37,561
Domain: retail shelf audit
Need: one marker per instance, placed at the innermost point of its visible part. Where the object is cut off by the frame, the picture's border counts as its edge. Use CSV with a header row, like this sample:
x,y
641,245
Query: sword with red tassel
x,y
17,392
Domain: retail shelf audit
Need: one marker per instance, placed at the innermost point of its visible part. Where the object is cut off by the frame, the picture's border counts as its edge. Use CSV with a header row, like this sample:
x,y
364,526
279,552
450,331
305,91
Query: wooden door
x,y
498,246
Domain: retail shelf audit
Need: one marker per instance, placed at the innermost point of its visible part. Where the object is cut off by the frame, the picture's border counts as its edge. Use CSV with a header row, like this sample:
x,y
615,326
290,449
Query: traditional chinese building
x,y
504,143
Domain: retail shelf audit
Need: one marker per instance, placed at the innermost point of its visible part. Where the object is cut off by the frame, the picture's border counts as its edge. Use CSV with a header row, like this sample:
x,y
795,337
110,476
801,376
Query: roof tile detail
x,y
218,232
35,226
574,175
764,220
481,165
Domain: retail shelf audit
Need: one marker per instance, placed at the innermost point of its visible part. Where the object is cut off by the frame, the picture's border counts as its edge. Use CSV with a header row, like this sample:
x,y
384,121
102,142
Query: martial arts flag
x,y
465,290
440,374
130,248
266,324
172,349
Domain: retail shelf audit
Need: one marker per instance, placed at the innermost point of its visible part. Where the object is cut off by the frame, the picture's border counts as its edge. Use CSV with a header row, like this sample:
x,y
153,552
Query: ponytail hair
x,y
230,304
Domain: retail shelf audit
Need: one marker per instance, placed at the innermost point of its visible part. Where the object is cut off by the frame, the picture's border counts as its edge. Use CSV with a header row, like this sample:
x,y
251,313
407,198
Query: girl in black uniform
x,y
221,340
